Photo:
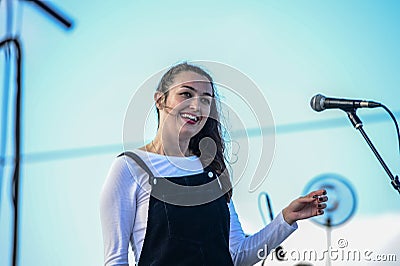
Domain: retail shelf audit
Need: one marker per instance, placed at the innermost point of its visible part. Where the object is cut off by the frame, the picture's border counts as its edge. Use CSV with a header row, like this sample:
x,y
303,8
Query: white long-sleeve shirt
x,y
124,207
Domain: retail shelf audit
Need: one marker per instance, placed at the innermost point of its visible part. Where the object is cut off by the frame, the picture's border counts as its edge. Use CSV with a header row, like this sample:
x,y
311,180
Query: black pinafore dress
x,y
185,234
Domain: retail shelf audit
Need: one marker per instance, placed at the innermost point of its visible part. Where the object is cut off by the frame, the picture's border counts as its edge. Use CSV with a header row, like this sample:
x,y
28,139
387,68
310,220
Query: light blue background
x,y
77,86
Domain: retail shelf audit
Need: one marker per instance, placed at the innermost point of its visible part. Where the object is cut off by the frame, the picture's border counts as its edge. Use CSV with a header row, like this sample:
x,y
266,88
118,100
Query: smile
x,y
192,119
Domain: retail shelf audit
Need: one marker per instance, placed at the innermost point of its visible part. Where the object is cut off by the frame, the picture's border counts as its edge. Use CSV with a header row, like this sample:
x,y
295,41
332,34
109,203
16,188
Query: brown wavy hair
x,y
211,129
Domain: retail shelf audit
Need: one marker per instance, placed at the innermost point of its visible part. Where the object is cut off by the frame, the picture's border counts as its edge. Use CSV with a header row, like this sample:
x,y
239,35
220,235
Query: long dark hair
x,y
211,156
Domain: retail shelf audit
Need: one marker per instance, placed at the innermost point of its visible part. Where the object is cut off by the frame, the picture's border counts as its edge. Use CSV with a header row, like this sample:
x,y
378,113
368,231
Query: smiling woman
x,y
171,199
184,106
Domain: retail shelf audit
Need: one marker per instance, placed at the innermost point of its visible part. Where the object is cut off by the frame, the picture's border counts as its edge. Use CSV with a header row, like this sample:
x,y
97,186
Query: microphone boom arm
x,y
356,122
53,13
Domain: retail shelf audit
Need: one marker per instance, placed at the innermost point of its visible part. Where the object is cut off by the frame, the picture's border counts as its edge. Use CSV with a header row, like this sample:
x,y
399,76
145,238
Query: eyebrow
x,y
193,89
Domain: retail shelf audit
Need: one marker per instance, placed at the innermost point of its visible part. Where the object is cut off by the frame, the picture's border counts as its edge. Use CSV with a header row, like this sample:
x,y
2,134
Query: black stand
x,y
52,12
355,120
17,144
67,23
328,239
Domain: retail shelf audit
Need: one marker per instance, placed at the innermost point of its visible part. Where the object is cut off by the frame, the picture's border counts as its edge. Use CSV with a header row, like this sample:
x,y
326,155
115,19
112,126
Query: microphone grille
x,y
317,102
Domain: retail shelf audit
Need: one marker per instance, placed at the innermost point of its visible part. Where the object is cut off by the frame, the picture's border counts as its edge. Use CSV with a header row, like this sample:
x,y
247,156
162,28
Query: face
x,y
187,106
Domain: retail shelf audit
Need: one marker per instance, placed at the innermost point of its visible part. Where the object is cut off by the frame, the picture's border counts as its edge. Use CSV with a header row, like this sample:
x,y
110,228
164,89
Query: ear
x,y
159,99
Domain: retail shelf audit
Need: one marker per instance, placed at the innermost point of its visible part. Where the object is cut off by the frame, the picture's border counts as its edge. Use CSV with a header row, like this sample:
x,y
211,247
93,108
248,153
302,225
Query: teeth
x,y
191,117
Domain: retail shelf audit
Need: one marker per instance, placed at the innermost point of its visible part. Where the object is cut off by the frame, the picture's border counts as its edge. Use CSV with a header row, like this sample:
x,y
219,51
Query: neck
x,y
170,146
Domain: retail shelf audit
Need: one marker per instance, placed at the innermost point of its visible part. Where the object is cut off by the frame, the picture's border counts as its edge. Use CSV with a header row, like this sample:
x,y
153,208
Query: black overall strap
x,y
140,162
183,235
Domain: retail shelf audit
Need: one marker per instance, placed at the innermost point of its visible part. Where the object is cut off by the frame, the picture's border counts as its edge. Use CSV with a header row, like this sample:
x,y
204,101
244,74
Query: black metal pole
x,y
64,20
355,120
17,144
17,127
17,151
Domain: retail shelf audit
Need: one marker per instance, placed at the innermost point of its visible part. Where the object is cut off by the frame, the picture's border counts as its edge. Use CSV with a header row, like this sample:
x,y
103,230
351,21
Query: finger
x,y
323,199
317,193
321,206
320,212
306,199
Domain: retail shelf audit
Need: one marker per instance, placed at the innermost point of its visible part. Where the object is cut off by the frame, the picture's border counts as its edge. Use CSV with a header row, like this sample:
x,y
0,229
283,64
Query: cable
x,y
260,209
17,143
395,123
269,207
17,149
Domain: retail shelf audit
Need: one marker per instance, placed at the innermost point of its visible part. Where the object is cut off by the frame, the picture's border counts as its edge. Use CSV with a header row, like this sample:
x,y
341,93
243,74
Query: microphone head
x,y
317,103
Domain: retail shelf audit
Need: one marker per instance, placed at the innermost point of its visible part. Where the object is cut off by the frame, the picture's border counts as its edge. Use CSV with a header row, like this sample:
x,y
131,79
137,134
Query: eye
x,y
206,100
186,94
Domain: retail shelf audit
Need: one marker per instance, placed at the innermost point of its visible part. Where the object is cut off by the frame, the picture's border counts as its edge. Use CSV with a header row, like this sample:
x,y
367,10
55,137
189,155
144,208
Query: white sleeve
x,y
244,250
117,212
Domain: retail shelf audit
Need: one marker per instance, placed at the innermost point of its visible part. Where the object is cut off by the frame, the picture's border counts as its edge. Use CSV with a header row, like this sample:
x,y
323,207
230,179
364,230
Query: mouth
x,y
190,118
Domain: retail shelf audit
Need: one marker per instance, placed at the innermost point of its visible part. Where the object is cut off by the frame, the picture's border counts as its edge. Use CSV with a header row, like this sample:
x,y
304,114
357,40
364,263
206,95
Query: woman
x,y
171,199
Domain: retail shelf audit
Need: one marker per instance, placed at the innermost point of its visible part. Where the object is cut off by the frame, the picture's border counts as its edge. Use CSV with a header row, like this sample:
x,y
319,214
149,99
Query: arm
x,y
245,250
117,213
249,250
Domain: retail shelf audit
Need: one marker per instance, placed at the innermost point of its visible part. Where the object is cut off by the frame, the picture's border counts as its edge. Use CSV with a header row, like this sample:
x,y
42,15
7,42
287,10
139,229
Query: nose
x,y
195,104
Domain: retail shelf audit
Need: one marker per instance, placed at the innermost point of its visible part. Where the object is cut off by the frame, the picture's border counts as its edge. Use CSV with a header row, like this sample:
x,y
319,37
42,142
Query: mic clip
x,y
354,119
396,183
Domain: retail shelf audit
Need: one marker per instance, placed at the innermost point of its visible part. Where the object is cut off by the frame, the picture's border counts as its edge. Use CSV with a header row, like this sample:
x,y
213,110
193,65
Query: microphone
x,y
320,102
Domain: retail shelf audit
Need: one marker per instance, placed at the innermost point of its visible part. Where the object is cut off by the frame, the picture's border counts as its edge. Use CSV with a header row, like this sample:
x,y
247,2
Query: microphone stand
x,y
355,120
16,186
52,12
328,239
279,252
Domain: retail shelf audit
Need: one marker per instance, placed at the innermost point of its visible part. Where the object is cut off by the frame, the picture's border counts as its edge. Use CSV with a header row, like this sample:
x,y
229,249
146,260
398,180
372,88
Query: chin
x,y
189,132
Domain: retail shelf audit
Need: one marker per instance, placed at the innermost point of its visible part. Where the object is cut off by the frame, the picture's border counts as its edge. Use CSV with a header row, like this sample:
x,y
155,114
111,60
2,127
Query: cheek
x,y
206,117
207,111
177,103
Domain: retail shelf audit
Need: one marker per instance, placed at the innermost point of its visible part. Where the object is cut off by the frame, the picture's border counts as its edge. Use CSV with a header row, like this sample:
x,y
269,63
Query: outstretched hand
x,y
306,207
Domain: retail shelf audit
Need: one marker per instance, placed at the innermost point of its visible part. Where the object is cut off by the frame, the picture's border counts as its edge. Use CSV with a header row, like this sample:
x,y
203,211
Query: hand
x,y
306,207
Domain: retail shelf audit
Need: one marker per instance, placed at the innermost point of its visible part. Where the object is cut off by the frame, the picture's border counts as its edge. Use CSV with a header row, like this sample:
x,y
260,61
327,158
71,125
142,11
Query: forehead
x,y
197,81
